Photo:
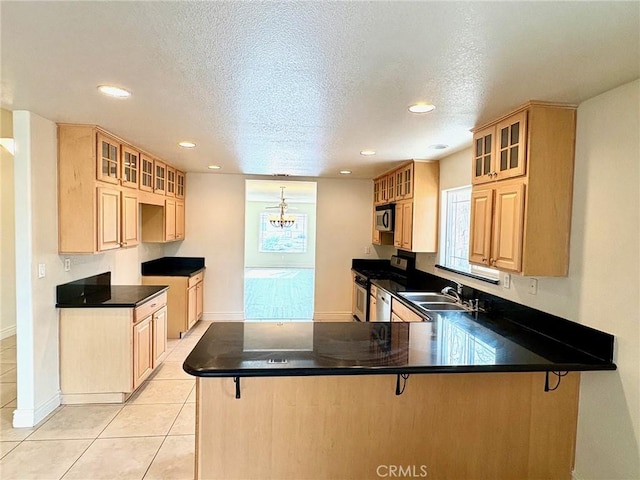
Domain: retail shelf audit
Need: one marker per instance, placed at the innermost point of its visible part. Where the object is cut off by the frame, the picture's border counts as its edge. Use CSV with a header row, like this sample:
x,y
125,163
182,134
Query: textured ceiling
x,y
302,87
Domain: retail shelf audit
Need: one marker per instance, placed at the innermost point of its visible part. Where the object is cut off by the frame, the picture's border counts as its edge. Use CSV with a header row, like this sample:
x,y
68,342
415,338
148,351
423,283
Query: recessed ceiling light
x,y
421,107
214,167
366,153
345,172
438,146
114,91
187,144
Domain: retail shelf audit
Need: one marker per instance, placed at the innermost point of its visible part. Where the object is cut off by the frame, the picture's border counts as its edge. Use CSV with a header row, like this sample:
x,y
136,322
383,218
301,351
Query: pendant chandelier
x,y
282,220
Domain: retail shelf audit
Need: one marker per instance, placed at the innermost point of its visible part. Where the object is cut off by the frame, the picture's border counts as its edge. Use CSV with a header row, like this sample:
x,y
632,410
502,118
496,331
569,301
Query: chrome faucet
x,y
452,292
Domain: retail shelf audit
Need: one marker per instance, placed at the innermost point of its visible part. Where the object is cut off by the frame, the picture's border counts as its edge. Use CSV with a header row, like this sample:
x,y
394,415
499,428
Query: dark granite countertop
x,y
451,342
173,267
97,292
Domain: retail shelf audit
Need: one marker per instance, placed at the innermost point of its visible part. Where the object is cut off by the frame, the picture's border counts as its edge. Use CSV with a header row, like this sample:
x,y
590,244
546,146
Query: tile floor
x,y
151,436
278,293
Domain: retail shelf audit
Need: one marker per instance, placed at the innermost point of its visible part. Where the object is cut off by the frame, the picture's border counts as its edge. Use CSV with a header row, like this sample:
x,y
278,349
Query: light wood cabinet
x,y
185,303
180,184
117,219
146,173
171,181
521,207
159,177
102,180
416,187
402,313
108,159
130,167
180,220
500,150
106,353
159,321
142,351
163,223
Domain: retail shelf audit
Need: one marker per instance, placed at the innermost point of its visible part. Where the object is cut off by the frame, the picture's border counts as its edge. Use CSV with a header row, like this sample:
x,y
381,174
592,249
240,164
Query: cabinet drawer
x,y
149,307
195,279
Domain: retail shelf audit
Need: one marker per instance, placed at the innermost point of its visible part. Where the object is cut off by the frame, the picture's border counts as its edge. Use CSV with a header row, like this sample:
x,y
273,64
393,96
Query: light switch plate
x,y
67,264
42,271
506,281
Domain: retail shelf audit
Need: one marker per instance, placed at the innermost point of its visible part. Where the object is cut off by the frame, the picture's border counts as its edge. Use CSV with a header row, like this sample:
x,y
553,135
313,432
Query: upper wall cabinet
x,y
414,187
101,182
522,171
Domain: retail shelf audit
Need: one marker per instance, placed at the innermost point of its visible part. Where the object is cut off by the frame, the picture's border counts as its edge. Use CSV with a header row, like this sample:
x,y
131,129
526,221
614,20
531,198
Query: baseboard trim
x,y
25,418
7,332
223,316
84,398
332,317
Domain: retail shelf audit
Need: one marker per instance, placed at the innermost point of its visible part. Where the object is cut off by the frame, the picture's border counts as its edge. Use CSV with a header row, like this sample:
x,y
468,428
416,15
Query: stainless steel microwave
x,y
384,217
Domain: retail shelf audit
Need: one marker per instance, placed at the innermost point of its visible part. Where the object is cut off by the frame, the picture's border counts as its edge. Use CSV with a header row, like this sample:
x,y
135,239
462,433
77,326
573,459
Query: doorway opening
x,y
280,250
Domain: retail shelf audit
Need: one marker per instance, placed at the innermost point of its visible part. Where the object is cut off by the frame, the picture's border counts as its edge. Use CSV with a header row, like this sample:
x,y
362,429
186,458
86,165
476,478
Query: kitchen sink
x,y
440,306
420,297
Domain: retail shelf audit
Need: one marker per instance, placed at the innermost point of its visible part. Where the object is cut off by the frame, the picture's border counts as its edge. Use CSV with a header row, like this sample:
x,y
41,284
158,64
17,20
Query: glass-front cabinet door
x,y
171,181
160,175
483,153
108,167
511,147
130,167
180,184
146,173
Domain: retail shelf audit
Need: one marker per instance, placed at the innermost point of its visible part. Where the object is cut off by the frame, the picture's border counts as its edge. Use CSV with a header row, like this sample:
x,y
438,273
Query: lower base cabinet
x,y
185,301
106,353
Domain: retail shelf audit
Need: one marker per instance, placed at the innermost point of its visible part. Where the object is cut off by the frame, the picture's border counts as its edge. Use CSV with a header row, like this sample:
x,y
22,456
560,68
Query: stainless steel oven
x,y
360,300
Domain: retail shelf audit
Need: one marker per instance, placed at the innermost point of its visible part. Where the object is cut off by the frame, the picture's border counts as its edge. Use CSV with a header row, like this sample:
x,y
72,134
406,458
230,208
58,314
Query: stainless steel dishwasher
x,y
383,306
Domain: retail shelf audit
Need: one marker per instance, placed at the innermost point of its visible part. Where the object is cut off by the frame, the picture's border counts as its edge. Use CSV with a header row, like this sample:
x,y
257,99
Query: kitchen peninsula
x,y
305,400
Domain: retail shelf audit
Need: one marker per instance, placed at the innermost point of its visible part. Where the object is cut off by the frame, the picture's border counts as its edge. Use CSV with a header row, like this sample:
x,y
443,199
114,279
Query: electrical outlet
x,y
506,281
42,271
367,250
67,264
533,286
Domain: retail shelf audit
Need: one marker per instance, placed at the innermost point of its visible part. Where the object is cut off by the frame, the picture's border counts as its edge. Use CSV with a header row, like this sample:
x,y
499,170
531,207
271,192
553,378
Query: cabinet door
x,y
108,159
171,181
384,195
142,351
480,233
108,218
391,190
180,184
397,227
399,184
146,173
407,226
169,220
130,167
159,335
129,226
508,222
483,156
199,300
511,146
407,179
192,306
180,225
160,177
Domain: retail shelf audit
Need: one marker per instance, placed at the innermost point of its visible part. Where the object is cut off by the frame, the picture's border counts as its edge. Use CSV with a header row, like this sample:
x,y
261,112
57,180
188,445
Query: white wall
x,y
37,242
7,234
602,289
215,230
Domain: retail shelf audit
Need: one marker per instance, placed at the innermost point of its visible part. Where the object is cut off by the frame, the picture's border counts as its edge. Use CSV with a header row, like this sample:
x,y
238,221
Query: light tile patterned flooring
x,y
278,293
151,436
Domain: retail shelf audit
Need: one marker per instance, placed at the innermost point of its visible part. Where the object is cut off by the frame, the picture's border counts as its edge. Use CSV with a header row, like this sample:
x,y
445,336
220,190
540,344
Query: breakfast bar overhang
x,y
455,397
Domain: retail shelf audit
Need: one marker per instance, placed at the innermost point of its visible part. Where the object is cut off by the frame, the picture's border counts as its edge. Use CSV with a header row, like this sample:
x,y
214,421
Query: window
x,y
283,240
456,222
